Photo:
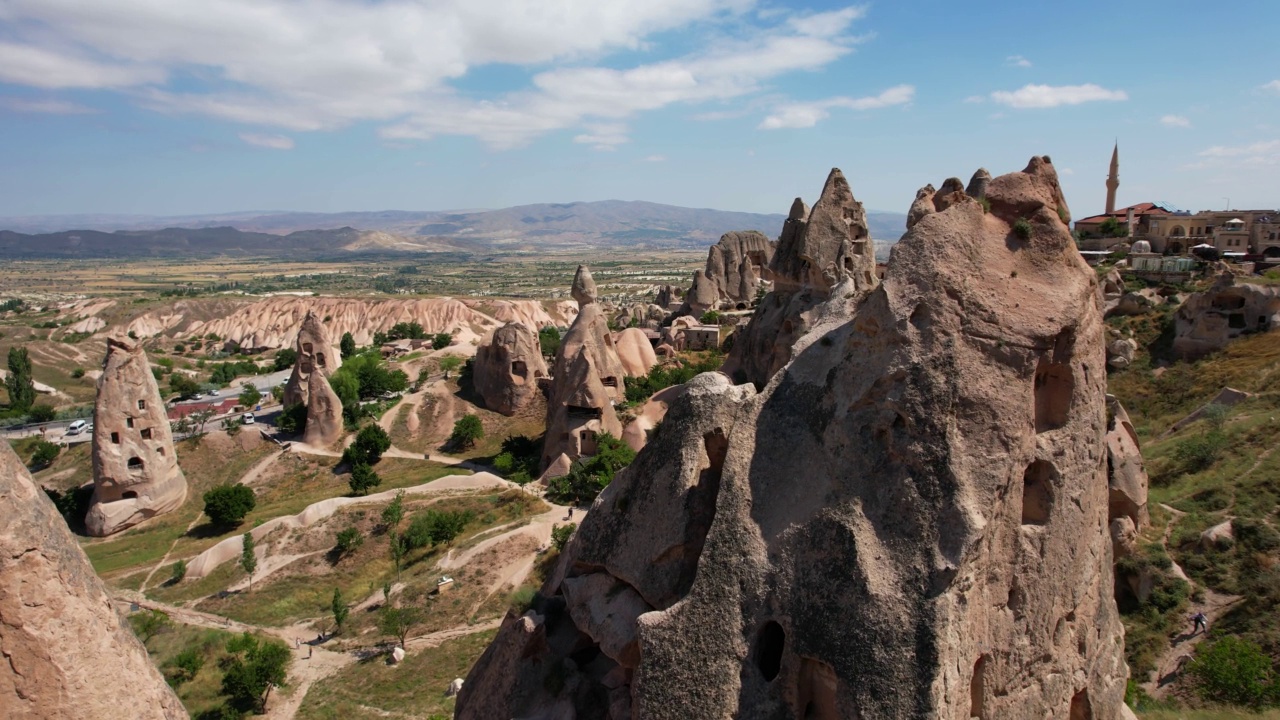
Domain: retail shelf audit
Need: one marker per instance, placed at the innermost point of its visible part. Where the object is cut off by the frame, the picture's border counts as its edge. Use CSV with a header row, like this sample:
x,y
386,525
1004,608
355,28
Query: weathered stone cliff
x,y
135,468
507,368
908,520
67,653
318,358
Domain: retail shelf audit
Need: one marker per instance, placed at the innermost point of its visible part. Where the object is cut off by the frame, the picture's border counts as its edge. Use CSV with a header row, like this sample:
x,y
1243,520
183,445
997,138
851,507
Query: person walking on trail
x,y
1199,623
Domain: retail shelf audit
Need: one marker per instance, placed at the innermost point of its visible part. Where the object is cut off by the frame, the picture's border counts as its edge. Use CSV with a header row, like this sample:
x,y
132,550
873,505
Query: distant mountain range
x,y
569,226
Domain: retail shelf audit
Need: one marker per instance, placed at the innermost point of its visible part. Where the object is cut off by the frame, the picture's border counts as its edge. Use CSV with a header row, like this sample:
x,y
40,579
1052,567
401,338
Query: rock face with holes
x,y
586,381
1207,321
824,257
65,647
507,368
909,519
736,264
1126,480
135,468
309,385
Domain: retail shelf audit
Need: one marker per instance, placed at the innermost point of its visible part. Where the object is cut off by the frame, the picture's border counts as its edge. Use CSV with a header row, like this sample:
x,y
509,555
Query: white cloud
x,y
273,142
604,137
975,100
1177,121
306,65
1273,86
808,114
50,107
656,158
1047,96
1267,150
1017,61
1066,171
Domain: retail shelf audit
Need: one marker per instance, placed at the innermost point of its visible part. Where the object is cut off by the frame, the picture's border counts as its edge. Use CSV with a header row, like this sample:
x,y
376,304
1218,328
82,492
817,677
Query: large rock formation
x,y
586,381
67,653
908,521
507,368
817,251
135,468
1126,480
635,352
736,264
309,385
1207,321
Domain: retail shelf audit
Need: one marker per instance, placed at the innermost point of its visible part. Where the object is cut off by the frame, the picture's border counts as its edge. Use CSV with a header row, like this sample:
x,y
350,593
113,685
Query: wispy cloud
x,y
1017,61
273,142
655,158
1271,87
1263,149
975,100
1048,96
604,137
808,114
49,107
1176,121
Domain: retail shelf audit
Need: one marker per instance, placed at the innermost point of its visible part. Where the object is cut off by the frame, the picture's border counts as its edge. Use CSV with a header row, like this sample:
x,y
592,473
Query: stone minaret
x,y
1113,179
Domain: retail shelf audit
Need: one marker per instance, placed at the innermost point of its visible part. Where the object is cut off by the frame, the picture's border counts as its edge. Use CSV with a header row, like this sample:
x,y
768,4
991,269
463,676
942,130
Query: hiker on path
x,y
1199,623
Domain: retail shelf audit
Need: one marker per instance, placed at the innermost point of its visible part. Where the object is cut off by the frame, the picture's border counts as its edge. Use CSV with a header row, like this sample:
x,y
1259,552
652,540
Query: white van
x,y
76,427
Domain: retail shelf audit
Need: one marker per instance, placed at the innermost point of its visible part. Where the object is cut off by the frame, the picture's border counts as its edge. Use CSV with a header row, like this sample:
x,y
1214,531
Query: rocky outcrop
x,y
817,251
977,188
309,385
507,368
67,652
1208,320
737,264
135,469
703,295
907,521
1121,352
1126,480
635,352
586,381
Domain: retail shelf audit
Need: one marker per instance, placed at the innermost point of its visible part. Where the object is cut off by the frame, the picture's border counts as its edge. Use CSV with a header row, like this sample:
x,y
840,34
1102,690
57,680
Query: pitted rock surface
x,y
507,368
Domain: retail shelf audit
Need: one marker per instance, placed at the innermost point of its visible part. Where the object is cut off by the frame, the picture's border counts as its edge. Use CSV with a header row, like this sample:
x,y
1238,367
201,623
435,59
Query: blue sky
x,y
135,106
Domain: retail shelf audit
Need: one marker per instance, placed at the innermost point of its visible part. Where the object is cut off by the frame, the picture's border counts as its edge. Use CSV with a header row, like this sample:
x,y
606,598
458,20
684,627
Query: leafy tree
x,y
520,459
1235,671
340,609
248,561
398,622
178,572
588,476
185,666
45,453
19,383
641,388
347,346
277,392
441,341
182,385
393,513
199,418
1111,227
435,527
466,431
349,540
232,425
362,478
560,534
405,331
368,447
252,669
449,363
284,359
293,419
397,549
150,623
227,505
250,395
549,340
710,317
42,413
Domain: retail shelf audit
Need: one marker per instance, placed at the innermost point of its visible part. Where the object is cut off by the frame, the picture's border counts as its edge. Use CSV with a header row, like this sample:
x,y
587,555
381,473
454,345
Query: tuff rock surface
x,y
1208,320
67,653
817,251
507,368
737,263
1126,480
308,385
908,520
635,352
135,469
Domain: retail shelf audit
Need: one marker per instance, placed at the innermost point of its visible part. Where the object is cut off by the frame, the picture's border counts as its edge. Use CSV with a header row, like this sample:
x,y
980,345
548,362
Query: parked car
x,y
247,418
76,427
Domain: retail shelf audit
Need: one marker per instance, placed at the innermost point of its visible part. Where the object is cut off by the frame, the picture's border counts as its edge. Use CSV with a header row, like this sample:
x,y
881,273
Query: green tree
x,y
362,478
150,623
284,359
397,550
347,346
466,431
398,622
405,330
293,419
549,340
45,453
199,418
560,534
1235,671
436,527
349,540
449,363
185,666
441,341
393,513
183,386
42,413
588,476
710,317
368,447
227,505
248,561
19,383
340,609
250,395
277,392
178,572
232,425
252,669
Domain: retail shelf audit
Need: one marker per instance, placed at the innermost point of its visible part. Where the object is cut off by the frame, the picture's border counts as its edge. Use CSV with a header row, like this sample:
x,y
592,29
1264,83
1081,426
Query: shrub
x,y
560,535
349,540
549,340
227,505
441,341
284,359
45,453
590,475
178,572
1022,228
1235,671
466,431
347,346
368,447
363,478
77,373
184,666
250,395
436,527
1199,452
710,317
293,419
42,413
253,668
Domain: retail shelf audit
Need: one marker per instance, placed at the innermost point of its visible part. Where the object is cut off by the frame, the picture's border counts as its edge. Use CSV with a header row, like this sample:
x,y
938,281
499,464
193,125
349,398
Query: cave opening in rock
x,y
1054,387
129,494
770,643
135,463
1081,708
977,707
1037,492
